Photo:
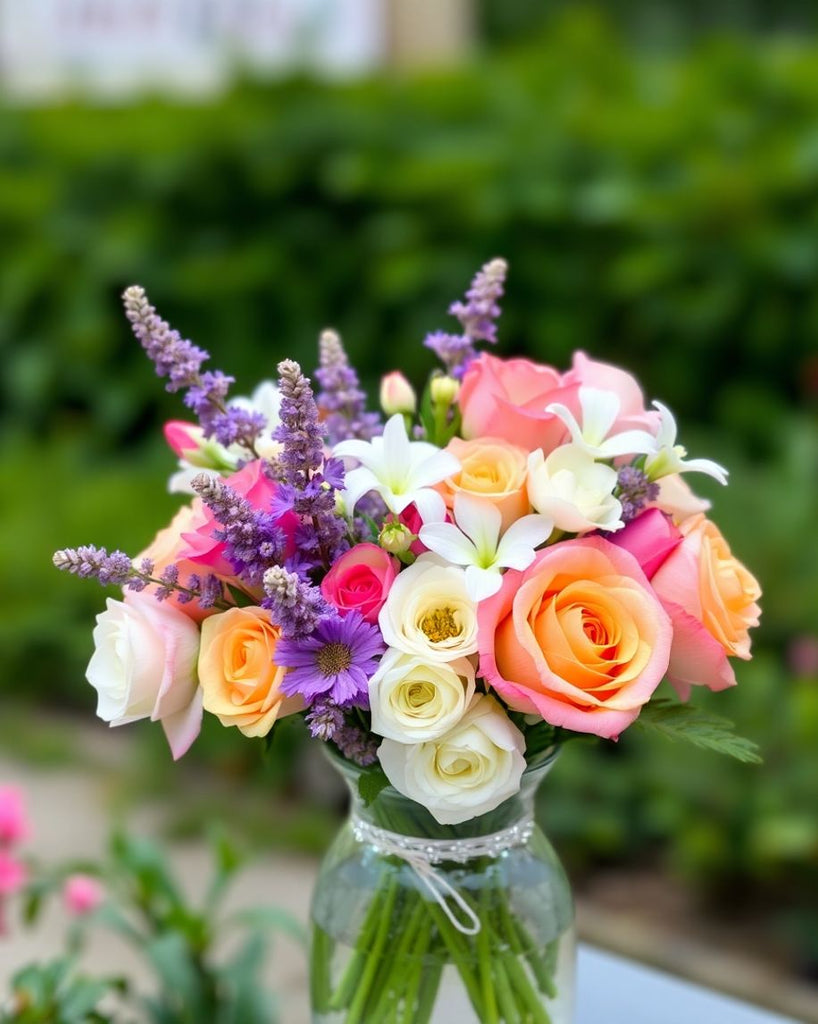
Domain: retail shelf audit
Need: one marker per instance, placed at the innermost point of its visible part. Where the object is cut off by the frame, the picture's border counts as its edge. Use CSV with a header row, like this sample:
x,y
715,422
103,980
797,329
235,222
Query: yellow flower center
x,y
334,658
440,625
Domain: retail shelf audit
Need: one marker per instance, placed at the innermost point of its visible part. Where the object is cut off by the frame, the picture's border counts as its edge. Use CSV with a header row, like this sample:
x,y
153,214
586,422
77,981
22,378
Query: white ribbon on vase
x,y
423,854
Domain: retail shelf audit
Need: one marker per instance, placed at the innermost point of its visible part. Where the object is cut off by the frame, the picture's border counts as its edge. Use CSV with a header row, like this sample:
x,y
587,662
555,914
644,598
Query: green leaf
x,y
701,728
370,784
240,599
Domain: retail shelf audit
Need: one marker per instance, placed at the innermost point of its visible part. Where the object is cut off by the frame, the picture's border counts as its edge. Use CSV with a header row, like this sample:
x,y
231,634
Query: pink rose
x,y
81,894
578,638
651,538
13,875
360,580
712,601
13,823
632,413
506,398
252,483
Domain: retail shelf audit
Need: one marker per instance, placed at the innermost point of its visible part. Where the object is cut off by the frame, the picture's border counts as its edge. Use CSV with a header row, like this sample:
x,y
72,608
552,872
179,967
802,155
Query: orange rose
x,y
492,469
579,637
241,685
712,600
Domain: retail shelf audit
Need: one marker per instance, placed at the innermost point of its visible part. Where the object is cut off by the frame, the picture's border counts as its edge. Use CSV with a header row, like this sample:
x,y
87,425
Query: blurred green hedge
x,y
660,213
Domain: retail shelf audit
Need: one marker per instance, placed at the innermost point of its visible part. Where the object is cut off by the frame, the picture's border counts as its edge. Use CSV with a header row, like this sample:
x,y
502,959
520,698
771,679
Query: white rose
x,y
468,771
144,665
429,613
574,490
413,700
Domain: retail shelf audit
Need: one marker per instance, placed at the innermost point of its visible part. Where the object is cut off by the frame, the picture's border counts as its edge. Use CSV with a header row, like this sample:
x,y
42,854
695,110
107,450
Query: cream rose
x,y
574,490
240,681
144,665
428,612
412,700
467,771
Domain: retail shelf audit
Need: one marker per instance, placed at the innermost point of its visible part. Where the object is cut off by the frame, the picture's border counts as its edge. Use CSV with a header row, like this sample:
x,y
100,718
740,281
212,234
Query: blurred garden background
x,y
650,172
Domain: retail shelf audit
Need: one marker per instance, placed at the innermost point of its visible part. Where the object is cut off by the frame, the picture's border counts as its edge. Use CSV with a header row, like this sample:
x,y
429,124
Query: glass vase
x,y
420,923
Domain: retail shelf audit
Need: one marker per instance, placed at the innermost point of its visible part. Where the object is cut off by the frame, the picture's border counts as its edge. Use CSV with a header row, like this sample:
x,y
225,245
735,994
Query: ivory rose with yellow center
x,y
712,600
240,682
579,637
492,469
429,613
412,700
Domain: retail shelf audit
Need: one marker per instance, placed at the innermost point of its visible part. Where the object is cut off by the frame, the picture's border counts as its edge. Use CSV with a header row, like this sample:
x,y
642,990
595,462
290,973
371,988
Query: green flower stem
x,y
522,986
424,978
430,982
362,993
460,956
522,946
505,997
392,976
347,986
320,985
485,961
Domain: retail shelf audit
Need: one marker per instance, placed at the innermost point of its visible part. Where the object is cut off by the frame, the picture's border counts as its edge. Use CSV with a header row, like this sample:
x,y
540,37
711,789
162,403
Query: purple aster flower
x,y
335,662
341,399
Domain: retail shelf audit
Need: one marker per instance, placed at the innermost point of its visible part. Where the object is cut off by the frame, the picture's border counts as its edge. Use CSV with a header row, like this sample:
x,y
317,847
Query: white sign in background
x,y
116,47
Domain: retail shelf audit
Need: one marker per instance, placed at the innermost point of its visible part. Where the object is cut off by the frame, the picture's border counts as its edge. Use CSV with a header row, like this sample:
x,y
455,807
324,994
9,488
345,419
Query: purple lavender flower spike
x,y
336,661
91,562
340,399
181,362
253,539
477,315
296,606
324,719
634,491
356,744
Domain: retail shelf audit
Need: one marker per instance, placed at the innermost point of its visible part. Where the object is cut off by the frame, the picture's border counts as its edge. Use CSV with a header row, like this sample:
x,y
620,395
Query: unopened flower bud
x,y
395,537
397,394
444,390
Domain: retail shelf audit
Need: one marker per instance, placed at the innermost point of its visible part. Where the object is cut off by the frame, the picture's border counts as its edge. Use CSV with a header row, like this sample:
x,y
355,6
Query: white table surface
x,y
613,990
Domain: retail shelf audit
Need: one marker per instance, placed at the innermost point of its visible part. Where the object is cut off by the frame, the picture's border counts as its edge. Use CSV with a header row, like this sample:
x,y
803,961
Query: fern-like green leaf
x,y
678,721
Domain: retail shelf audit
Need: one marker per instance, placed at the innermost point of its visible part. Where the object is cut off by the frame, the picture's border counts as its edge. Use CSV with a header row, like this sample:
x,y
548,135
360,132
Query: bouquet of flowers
x,y
445,597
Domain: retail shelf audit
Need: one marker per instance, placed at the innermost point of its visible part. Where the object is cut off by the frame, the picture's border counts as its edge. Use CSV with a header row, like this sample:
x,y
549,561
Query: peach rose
x,y
240,682
712,601
360,580
506,398
579,637
493,469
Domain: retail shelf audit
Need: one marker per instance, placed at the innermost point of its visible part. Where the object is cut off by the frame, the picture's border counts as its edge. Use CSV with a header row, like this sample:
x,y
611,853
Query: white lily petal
x,y
479,520
450,543
667,429
516,556
363,451
528,532
434,468
482,583
358,482
599,411
704,466
563,413
396,451
629,442
430,505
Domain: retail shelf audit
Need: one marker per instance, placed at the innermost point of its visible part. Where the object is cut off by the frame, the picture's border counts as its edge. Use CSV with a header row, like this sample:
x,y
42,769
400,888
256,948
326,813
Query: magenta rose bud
x,y
651,538
360,581
82,894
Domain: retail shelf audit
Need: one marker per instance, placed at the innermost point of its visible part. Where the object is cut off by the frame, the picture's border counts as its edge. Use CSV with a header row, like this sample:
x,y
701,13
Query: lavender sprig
x,y
296,606
341,399
310,483
477,316
323,719
117,569
253,539
181,362
634,491
356,744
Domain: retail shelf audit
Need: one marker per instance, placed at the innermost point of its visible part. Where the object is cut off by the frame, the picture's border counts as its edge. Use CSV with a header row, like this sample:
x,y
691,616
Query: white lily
x,y
599,412
403,472
671,457
475,543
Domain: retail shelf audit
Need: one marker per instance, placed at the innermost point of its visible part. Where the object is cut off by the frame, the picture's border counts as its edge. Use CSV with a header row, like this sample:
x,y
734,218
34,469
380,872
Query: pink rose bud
x,y
183,437
82,894
13,824
651,538
397,394
13,874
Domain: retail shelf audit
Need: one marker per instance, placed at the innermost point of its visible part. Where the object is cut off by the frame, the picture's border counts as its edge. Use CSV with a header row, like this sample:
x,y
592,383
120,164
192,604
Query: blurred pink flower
x,y
81,894
13,874
13,823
